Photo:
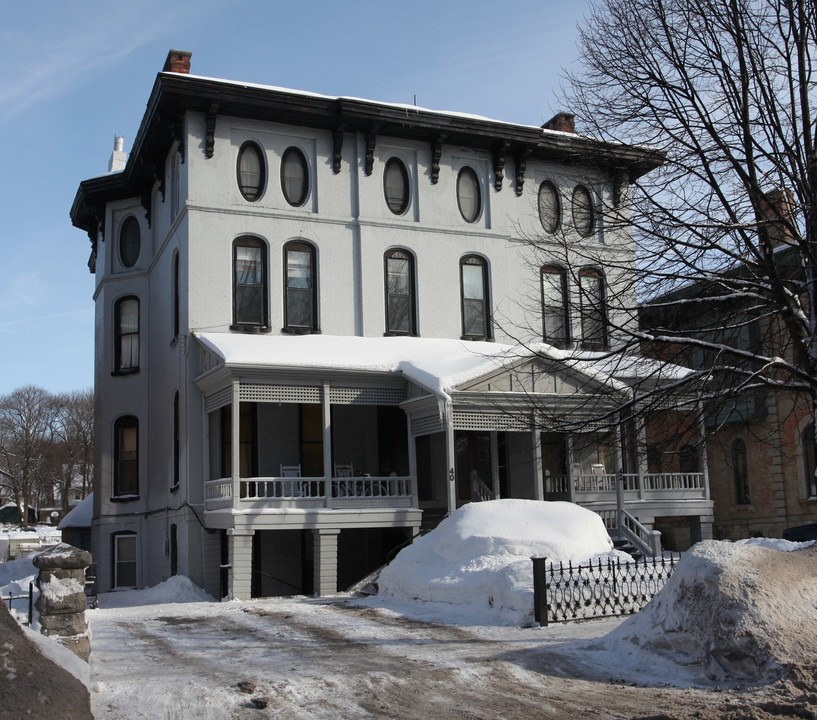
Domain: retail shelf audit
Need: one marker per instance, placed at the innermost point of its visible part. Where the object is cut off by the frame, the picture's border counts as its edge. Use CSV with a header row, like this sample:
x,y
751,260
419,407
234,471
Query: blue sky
x,y
73,75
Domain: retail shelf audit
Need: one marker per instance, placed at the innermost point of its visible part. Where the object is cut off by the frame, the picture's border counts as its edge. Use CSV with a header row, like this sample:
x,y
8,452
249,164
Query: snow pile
x,y
480,556
178,589
57,589
741,611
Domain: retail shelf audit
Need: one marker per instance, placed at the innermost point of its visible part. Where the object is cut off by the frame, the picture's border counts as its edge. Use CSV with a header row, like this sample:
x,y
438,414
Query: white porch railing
x,y
303,492
646,486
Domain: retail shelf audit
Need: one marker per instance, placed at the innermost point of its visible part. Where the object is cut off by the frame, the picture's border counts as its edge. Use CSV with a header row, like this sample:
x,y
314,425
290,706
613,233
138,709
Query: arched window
x,y
582,207
300,288
249,284
399,281
396,186
740,473
252,172
468,195
555,318
176,292
130,241
126,332
592,308
294,176
809,464
474,296
126,457
550,211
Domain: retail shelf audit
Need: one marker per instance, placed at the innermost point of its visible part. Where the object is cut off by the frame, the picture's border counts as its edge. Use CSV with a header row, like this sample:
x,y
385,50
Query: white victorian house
x,y
319,327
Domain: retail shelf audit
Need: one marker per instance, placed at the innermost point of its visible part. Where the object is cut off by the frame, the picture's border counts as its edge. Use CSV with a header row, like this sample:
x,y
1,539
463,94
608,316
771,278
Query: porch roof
x,y
439,365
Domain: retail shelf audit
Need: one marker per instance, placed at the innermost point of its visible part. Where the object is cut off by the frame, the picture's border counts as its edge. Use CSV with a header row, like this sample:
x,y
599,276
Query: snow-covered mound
x,y
736,610
178,589
480,556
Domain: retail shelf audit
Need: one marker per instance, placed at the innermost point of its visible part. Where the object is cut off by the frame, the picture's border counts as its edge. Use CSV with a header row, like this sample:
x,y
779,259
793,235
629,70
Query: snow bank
x,y
480,556
736,610
178,589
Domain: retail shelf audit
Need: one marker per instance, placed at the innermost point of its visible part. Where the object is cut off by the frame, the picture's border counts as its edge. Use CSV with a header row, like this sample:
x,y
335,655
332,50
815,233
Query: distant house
x,y
308,311
76,525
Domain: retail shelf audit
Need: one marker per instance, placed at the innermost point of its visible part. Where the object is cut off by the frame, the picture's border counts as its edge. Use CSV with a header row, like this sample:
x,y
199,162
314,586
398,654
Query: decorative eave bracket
x,y
371,142
210,137
337,147
436,153
499,164
521,164
621,181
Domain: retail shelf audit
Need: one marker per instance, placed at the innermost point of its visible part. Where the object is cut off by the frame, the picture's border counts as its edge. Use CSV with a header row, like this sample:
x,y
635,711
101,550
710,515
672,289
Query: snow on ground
x,y
479,558
438,639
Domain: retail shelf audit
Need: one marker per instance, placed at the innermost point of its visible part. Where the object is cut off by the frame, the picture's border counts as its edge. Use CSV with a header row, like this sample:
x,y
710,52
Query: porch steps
x,y
366,585
628,547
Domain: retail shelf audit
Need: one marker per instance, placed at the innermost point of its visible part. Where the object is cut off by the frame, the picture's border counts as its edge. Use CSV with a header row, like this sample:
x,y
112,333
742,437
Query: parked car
x,y
801,533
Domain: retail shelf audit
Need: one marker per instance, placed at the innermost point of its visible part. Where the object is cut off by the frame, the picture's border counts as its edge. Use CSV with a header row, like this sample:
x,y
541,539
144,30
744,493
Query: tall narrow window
x,y
130,241
740,473
396,186
474,295
176,293
582,206
251,171
174,185
249,285
809,461
176,444
555,322
468,196
300,287
126,457
124,560
549,208
126,319
294,177
400,306
592,308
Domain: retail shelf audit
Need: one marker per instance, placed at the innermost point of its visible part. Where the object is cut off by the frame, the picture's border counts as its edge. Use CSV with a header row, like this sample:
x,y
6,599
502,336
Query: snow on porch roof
x,y
440,365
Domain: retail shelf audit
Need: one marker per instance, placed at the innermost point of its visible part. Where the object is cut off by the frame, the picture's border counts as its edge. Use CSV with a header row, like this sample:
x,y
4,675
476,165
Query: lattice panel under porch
x,y
485,421
366,396
280,393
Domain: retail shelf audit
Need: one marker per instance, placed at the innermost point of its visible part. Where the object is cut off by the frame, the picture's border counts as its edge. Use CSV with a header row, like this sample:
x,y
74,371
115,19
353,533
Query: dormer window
x,y
251,171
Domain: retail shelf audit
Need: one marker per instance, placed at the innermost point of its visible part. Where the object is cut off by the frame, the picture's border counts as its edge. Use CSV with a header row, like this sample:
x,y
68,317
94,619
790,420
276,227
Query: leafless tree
x,y
73,440
725,231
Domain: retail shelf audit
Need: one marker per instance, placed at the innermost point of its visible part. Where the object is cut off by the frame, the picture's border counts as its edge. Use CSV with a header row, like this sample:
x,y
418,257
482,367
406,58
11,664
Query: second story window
x,y
549,207
126,326
249,284
468,196
474,296
555,319
176,293
582,207
251,171
396,186
400,306
126,457
300,300
592,308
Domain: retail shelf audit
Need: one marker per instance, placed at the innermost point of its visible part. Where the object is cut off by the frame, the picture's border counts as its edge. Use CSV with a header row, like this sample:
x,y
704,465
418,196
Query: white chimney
x,y
118,157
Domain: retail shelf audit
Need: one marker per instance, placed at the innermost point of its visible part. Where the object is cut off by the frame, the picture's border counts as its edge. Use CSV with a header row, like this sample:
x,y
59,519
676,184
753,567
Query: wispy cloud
x,y
42,59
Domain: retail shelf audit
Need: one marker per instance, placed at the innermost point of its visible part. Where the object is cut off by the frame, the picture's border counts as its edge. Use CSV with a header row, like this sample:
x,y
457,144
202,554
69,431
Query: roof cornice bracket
x,y
499,164
436,153
371,141
621,181
521,164
178,134
210,137
337,146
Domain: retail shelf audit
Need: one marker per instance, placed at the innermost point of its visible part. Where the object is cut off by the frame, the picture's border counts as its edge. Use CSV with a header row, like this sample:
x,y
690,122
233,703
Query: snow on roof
x,y
436,364
480,556
400,106
80,516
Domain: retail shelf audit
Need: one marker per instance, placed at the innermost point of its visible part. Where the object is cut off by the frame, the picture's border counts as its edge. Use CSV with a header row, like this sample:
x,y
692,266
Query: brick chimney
x,y
776,209
178,61
561,122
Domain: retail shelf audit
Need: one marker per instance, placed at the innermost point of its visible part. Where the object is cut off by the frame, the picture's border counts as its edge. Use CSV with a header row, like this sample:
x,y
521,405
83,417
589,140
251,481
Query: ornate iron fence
x,y
603,589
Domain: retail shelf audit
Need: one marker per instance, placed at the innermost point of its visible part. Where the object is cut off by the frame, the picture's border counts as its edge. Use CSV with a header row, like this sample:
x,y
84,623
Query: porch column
x,y
494,463
235,445
640,454
450,458
412,460
325,554
571,483
619,471
326,409
704,456
536,442
240,586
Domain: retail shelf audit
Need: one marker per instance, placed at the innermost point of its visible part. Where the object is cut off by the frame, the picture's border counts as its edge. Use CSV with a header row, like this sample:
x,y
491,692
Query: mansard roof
x,y
175,94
